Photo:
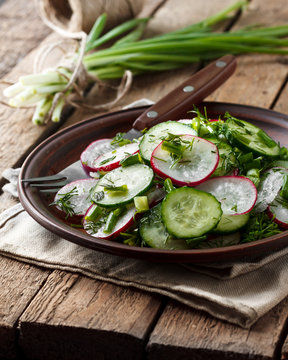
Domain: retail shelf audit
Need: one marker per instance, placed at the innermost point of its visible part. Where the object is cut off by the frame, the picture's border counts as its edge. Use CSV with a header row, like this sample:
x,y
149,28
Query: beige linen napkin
x,y
238,299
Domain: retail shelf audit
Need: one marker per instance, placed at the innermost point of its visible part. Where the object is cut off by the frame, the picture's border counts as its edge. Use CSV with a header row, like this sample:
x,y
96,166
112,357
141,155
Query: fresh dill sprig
x,y
260,226
132,238
64,202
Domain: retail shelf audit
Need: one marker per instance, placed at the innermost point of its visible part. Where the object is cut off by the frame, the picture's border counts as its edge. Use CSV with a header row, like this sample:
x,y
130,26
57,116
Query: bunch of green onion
x,y
107,56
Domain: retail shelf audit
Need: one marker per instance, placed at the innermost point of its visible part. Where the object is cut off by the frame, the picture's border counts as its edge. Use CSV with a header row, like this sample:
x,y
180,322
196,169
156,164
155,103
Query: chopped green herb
x,y
103,162
64,202
260,226
119,140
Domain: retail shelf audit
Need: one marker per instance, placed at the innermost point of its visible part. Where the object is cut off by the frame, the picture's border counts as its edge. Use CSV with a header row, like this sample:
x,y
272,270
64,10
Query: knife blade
x,y
185,96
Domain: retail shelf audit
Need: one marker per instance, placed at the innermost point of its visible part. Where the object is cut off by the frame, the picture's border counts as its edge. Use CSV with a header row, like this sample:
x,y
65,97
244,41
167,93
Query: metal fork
x,y
47,184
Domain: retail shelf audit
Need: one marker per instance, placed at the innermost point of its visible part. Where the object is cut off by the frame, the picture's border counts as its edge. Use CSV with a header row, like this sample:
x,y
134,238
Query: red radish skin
x,y
278,213
122,225
269,187
237,194
177,176
92,151
116,155
80,202
281,224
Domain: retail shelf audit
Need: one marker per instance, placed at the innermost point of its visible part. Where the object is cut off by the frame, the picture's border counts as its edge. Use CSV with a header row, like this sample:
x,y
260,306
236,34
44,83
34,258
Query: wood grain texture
x,y
21,26
98,319
19,283
182,333
284,350
258,78
282,104
19,135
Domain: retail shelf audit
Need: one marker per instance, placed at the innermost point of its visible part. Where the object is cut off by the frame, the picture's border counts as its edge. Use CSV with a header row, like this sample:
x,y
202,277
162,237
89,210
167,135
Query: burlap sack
x,y
77,15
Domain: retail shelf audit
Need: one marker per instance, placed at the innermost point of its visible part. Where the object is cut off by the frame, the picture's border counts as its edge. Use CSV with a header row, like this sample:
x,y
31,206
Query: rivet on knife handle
x,y
189,93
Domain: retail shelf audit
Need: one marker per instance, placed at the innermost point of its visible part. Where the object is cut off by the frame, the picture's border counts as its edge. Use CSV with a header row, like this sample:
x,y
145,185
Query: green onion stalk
x,y
111,55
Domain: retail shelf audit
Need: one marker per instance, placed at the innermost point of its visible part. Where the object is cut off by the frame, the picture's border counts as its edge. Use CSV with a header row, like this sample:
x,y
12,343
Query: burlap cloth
x,y
239,292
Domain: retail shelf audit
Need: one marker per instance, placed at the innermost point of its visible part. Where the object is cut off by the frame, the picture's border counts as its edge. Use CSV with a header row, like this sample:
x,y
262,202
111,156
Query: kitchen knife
x,y
189,93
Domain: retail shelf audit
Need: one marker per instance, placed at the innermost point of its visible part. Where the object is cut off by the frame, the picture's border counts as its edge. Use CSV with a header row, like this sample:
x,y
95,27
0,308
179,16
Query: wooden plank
x,y
258,78
97,319
284,351
19,135
19,283
281,104
183,333
21,29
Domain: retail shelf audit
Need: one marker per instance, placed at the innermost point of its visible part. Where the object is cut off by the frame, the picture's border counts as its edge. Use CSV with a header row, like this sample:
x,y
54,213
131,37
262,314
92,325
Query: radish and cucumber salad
x,y
183,184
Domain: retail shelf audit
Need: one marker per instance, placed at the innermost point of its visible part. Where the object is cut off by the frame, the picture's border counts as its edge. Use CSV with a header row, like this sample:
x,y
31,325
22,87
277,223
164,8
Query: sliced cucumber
x,y
153,232
230,223
249,137
121,185
157,133
188,213
280,163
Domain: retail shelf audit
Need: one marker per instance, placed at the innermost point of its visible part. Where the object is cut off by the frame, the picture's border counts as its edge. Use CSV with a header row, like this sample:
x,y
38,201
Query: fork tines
x,y
45,178
48,184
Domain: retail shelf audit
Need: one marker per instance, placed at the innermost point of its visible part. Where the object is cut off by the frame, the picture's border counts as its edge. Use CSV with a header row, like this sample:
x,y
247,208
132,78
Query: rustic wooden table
x,y
59,315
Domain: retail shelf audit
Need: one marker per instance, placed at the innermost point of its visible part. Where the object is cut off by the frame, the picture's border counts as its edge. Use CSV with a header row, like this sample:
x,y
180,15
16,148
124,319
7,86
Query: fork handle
x,y
189,93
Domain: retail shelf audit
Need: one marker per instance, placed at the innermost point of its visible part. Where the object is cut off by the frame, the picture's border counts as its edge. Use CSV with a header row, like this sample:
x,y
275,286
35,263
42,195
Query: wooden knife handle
x,y
189,93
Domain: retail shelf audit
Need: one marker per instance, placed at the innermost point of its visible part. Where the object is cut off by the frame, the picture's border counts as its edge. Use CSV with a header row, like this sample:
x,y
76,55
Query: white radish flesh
x,y
95,149
196,165
111,159
237,194
79,199
279,212
269,188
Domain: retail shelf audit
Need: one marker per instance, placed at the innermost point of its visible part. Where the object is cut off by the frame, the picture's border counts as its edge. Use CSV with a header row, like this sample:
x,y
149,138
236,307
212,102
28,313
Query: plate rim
x,y
239,251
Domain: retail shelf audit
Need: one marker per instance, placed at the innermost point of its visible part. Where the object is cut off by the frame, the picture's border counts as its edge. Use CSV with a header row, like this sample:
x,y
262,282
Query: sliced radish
x,y
74,198
186,121
155,195
111,159
279,212
198,162
96,228
269,187
190,121
95,149
237,194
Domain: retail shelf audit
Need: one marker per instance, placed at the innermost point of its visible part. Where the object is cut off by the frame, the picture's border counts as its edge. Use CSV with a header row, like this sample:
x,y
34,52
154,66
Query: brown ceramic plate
x,y
65,147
